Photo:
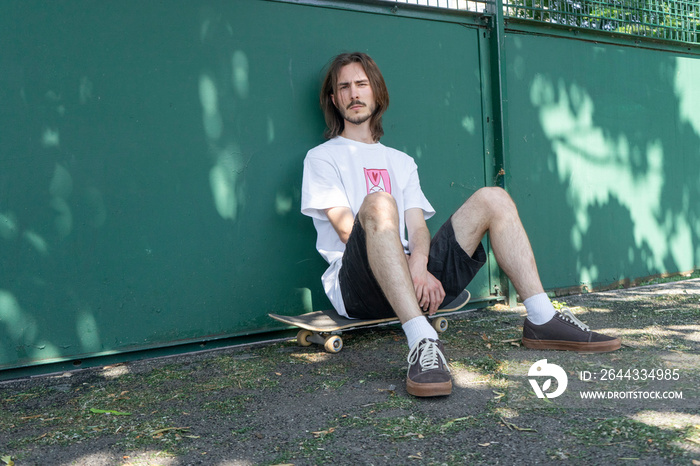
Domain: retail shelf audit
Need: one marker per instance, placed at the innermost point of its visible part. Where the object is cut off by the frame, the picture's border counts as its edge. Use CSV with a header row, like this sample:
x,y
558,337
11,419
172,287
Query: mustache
x,y
355,102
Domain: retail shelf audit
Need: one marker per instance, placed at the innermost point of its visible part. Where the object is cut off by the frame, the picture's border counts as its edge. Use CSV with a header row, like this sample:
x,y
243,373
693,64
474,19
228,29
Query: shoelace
x,y
430,357
567,315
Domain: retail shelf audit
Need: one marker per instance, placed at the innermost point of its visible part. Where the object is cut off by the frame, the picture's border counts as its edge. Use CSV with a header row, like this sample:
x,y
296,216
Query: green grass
x,y
641,437
671,278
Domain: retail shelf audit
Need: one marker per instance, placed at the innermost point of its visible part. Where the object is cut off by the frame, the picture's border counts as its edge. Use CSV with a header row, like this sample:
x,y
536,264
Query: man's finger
x,y
421,297
434,301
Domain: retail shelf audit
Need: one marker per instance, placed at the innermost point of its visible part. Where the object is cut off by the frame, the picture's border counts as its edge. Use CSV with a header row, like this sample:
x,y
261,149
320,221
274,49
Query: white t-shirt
x,y
340,173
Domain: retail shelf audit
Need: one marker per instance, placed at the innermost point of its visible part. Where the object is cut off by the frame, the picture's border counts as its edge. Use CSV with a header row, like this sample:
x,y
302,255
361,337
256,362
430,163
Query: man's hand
x,y
429,291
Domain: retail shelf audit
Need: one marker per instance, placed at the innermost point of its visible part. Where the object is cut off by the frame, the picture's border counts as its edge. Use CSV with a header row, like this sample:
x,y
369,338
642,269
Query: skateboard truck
x,y
331,343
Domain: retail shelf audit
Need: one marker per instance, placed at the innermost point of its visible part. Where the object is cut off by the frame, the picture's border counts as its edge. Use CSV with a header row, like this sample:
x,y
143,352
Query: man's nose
x,y
354,91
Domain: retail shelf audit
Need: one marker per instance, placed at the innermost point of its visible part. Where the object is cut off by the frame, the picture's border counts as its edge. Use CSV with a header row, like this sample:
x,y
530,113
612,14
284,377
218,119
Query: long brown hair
x,y
334,120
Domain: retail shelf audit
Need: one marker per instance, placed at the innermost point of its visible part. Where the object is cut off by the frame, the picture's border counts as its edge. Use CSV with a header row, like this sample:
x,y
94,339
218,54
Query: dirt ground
x,y
277,403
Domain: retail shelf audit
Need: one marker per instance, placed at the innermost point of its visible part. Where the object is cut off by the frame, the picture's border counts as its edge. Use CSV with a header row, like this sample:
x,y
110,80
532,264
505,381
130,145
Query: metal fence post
x,y
499,99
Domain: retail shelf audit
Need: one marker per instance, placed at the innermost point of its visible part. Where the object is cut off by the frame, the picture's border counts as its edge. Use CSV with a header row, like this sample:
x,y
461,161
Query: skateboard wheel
x,y
440,324
333,344
303,338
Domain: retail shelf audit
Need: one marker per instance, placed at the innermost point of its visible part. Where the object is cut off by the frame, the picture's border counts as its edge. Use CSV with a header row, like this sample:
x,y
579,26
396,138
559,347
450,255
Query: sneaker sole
x,y
429,389
582,347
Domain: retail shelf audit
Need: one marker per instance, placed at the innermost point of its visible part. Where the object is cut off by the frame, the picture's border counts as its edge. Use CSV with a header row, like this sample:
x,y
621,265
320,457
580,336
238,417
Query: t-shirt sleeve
x,y
321,187
413,194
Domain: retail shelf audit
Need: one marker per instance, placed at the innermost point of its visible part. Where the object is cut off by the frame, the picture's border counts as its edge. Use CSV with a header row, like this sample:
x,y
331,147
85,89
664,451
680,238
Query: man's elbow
x,y
344,236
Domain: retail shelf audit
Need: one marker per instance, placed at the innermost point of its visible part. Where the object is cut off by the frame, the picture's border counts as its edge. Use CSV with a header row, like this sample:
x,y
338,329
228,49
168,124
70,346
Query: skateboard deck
x,y
323,327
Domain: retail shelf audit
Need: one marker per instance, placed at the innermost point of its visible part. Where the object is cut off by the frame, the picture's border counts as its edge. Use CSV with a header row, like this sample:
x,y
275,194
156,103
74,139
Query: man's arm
x,y
429,291
342,220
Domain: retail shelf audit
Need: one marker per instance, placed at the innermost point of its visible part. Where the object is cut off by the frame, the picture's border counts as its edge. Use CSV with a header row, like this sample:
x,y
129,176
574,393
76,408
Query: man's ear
x,y
333,99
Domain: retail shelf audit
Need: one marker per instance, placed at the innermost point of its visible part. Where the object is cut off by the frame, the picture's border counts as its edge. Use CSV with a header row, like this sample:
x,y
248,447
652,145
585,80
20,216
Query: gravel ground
x,y
278,403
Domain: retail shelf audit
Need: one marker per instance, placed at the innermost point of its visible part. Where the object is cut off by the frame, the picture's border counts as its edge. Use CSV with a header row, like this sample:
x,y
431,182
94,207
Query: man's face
x,y
354,98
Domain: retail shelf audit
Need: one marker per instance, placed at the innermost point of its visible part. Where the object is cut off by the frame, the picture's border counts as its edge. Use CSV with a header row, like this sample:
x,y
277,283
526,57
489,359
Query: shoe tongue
x,y
569,316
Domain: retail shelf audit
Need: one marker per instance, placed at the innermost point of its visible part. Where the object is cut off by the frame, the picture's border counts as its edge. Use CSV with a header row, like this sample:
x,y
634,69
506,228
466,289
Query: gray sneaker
x,y
566,332
428,373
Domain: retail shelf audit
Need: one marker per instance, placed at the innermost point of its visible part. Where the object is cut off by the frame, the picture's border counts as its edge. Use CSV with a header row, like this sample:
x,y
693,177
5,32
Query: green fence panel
x,y
604,151
151,157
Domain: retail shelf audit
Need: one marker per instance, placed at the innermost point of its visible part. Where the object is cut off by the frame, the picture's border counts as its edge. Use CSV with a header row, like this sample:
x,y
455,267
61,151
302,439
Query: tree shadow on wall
x,y
617,180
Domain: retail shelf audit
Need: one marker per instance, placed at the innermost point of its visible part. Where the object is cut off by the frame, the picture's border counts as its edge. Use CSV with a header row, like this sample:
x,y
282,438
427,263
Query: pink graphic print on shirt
x,y
378,180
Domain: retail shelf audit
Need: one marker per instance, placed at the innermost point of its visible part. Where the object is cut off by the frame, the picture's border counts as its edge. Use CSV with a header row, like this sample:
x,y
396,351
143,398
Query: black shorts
x,y
364,299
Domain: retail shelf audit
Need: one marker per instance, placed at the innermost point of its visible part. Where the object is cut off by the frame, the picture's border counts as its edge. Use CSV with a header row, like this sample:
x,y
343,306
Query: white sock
x,y
539,309
418,328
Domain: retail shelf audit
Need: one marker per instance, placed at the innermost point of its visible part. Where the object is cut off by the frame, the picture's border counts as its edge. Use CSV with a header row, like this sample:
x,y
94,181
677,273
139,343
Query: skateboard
x,y
324,327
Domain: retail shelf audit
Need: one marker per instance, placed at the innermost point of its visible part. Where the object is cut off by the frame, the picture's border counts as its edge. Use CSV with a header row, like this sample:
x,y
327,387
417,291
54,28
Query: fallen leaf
x,y
512,340
108,411
323,432
484,444
167,429
7,460
453,421
512,426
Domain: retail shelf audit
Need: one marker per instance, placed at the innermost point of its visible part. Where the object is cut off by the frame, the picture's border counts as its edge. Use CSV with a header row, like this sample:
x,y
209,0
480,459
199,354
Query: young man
x,y
364,196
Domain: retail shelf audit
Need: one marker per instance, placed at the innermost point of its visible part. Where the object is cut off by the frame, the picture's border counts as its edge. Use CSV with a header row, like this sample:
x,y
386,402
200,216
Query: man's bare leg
x,y
428,373
492,210
387,259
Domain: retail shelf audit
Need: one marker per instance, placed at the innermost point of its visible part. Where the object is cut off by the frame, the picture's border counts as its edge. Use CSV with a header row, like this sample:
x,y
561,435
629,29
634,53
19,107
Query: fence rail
x,y
677,20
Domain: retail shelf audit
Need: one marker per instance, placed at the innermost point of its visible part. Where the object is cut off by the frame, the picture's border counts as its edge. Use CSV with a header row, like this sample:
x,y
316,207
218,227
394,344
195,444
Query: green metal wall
x,y
604,158
151,155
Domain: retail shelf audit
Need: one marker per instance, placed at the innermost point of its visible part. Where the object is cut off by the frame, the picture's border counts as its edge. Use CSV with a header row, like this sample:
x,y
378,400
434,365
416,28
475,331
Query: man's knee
x,y
378,207
494,198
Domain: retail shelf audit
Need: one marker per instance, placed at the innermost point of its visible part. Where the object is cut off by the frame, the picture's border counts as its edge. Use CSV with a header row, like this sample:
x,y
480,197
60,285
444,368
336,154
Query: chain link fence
x,y
479,6
677,20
